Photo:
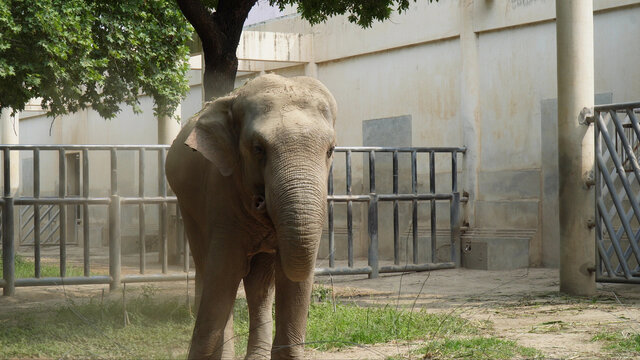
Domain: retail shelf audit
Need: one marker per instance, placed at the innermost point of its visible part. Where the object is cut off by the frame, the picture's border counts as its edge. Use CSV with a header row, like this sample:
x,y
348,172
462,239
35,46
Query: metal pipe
x,y
85,214
618,205
454,172
443,149
114,171
396,225
342,271
454,225
162,188
626,147
62,175
414,205
349,211
373,217
332,246
115,241
432,187
115,244
56,281
63,201
36,214
157,278
6,157
417,267
141,213
8,249
617,106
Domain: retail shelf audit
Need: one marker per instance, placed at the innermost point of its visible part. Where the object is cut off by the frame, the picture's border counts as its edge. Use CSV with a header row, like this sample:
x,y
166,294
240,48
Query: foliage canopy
x,y
78,53
363,13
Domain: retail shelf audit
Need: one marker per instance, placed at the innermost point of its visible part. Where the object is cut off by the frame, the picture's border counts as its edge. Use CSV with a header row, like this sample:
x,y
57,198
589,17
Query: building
x,y
480,74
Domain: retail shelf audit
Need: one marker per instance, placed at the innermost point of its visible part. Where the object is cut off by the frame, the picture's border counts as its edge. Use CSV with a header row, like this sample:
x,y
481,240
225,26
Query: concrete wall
x,y
467,73
412,64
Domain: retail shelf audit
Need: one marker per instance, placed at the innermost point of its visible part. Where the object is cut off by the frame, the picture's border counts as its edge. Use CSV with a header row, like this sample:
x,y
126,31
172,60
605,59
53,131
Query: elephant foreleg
x,y
292,308
213,332
258,285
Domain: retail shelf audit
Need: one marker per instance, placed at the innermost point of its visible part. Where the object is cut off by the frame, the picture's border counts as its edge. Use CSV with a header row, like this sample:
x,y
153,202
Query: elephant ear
x,y
213,135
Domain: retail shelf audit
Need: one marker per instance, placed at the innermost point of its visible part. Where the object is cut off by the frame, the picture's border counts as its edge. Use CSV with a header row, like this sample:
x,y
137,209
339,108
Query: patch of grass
x,y
162,329
156,329
477,348
619,342
25,268
351,324
549,327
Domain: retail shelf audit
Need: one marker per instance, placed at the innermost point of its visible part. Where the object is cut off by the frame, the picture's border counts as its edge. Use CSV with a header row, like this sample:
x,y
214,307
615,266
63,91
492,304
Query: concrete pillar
x,y
469,109
574,29
168,128
311,70
10,134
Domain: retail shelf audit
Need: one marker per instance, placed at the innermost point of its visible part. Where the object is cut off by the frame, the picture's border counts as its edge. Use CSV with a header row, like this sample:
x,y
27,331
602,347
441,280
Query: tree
x,y
78,53
219,24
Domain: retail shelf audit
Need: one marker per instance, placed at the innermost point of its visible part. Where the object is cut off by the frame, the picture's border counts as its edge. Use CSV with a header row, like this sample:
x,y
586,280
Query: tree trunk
x,y
220,34
219,72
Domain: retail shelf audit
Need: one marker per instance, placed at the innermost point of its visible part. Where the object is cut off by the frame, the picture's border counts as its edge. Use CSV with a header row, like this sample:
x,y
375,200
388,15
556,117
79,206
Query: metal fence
x,y
373,198
114,201
617,189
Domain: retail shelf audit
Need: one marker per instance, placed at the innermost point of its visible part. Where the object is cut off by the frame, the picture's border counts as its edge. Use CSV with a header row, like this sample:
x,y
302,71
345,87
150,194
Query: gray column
x,y
574,28
168,128
10,134
469,111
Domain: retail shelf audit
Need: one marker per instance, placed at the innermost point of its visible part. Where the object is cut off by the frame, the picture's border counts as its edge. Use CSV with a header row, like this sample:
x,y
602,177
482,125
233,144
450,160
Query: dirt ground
x,y
522,305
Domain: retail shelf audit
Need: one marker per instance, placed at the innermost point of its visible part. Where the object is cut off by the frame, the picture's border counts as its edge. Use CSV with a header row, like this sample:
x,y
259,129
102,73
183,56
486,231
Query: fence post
x,y
574,31
8,249
454,219
373,217
373,236
114,242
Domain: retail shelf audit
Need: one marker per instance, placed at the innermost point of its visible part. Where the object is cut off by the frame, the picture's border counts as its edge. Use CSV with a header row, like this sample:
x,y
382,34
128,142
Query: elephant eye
x,y
258,150
330,151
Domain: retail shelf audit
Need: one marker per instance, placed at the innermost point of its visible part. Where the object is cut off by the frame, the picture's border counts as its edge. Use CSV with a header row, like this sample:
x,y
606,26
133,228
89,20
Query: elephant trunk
x,y
297,208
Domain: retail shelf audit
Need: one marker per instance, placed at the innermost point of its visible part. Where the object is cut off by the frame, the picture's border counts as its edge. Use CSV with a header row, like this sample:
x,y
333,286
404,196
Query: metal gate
x,y
617,180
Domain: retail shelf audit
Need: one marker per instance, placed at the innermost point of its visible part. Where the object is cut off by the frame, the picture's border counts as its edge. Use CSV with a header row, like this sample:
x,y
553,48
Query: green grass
x,y
619,342
161,329
476,348
156,329
352,324
26,269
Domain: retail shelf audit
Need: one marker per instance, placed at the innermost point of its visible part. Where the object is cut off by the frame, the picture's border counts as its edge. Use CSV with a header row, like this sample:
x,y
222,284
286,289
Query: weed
x,y
476,348
620,342
352,324
25,268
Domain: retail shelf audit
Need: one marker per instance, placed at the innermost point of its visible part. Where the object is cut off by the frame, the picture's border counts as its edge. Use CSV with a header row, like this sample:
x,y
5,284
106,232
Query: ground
x,y
521,305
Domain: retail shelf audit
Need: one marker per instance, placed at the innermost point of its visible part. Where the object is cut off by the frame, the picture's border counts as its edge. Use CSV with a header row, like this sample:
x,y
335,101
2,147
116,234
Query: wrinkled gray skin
x,y
250,173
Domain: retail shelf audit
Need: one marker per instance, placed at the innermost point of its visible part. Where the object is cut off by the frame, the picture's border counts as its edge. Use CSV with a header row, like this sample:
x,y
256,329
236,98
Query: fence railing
x,y
112,201
373,198
617,190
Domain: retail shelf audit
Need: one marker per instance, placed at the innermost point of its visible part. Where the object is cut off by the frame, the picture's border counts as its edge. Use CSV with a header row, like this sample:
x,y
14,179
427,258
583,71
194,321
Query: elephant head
x,y
276,136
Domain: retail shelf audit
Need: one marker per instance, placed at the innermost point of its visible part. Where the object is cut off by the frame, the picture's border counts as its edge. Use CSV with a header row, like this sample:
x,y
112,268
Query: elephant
x,y
250,174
